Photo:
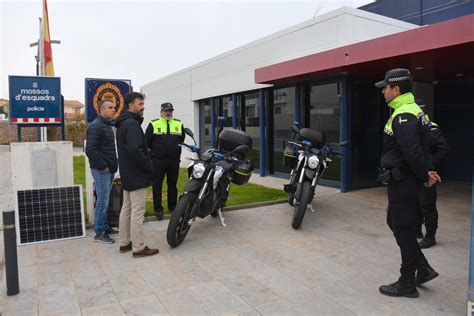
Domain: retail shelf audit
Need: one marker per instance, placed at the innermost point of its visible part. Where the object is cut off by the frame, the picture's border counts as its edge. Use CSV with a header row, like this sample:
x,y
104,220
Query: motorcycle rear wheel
x,y
300,209
178,226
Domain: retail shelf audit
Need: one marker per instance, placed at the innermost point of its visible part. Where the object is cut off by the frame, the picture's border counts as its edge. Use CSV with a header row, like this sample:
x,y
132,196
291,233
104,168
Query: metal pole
x,y
234,111
345,134
262,139
11,257
298,105
38,58
470,293
213,122
63,133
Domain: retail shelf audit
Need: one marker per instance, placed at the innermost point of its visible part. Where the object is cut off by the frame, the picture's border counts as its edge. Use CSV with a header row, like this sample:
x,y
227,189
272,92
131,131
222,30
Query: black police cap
x,y
394,76
167,106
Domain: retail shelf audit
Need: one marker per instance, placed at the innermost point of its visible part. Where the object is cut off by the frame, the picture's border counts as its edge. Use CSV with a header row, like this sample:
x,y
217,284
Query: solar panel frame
x,y
49,214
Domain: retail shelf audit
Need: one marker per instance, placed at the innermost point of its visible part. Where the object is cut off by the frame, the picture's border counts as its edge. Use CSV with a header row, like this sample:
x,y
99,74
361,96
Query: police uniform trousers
x,y
428,210
170,169
402,219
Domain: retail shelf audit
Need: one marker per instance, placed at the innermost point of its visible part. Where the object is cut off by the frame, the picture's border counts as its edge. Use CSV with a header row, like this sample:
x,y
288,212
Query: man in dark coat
x,y
100,149
136,175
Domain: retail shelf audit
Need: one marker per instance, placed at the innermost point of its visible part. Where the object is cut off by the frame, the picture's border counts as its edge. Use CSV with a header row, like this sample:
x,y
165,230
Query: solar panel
x,y
49,214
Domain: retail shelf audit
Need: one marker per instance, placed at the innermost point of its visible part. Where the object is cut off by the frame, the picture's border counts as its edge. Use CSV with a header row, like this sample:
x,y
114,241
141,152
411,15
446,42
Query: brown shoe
x,y
145,252
126,248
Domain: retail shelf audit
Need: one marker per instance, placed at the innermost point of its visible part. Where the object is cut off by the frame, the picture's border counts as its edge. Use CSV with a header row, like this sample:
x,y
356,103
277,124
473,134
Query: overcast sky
x,y
139,40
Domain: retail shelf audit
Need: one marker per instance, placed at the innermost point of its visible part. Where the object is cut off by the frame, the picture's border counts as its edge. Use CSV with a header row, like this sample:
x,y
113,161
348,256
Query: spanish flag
x,y
47,52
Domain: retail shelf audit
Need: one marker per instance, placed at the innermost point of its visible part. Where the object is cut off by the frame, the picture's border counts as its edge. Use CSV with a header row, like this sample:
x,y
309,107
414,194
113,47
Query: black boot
x,y
427,242
403,287
425,274
159,215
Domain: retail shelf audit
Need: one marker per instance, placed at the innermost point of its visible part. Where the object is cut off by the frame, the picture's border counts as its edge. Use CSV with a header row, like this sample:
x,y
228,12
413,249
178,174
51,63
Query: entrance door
x,y
323,114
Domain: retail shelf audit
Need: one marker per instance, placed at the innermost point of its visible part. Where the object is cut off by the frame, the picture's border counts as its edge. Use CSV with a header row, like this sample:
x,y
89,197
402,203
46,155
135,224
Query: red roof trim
x,y
443,34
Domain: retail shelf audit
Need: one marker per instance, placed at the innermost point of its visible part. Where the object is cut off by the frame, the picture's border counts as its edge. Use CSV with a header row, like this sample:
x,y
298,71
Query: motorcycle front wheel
x,y
178,226
300,209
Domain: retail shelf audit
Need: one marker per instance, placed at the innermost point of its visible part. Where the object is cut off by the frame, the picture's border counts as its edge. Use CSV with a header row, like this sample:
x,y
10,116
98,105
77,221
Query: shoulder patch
x,y
177,119
155,120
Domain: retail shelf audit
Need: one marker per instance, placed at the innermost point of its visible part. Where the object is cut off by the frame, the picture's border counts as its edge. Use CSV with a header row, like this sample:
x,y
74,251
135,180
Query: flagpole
x,y
44,130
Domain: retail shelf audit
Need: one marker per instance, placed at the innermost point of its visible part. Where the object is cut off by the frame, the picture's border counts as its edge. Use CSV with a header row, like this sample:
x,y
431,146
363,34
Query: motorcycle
x,y
209,177
309,155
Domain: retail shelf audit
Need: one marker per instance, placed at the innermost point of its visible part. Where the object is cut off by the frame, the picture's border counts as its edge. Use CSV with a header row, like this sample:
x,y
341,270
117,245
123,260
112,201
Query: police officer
x,y
164,136
408,167
437,148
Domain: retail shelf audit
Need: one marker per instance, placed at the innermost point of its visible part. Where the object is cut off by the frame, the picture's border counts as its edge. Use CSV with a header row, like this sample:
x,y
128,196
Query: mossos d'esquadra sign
x,y
35,100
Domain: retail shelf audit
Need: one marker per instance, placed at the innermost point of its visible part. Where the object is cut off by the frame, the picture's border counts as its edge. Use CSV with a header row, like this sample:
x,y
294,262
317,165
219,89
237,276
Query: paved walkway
x,y
257,265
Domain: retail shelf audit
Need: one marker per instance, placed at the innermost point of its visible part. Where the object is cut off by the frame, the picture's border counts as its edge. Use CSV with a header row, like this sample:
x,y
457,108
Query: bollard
x,y
11,257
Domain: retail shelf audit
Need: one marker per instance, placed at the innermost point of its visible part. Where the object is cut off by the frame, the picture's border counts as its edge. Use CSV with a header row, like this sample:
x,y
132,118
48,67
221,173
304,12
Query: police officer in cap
x,y
405,168
437,148
164,136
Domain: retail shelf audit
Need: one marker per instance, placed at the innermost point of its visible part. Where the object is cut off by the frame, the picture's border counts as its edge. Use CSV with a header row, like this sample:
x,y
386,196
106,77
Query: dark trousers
x,y
170,168
402,220
428,214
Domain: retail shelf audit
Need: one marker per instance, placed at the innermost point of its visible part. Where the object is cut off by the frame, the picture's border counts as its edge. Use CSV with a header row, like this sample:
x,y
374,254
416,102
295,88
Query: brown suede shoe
x,y
126,248
145,252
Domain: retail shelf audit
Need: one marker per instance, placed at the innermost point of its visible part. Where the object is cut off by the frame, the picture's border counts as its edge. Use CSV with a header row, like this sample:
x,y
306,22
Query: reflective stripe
x,y
160,127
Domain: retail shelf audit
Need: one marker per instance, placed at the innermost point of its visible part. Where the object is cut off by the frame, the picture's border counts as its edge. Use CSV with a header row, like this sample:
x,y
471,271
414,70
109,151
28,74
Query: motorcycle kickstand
x,y
311,207
221,217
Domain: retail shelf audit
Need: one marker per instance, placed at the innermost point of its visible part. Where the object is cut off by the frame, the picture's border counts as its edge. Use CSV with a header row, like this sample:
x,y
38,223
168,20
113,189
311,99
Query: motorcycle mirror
x,y
344,143
188,132
295,129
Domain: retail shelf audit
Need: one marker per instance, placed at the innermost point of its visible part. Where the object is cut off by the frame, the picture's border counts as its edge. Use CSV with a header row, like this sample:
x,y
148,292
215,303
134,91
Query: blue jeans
x,y
103,185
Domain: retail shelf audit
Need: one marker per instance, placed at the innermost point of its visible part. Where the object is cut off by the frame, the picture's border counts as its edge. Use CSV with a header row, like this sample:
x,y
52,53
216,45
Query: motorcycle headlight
x,y
313,162
198,170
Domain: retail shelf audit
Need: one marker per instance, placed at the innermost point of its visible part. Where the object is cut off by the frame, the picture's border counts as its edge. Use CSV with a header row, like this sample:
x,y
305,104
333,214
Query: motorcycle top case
x,y
230,139
243,172
318,139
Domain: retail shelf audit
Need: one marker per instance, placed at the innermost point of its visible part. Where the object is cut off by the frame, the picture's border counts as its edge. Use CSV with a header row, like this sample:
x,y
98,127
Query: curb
x,y
226,209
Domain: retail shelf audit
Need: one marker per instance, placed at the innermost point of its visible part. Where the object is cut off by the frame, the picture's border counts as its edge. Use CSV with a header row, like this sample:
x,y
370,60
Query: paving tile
x,y
250,290
161,279
353,300
26,255
58,299
129,284
279,307
27,277
103,310
278,282
183,302
50,274
250,312
147,305
50,253
25,300
311,302
219,298
80,270
94,292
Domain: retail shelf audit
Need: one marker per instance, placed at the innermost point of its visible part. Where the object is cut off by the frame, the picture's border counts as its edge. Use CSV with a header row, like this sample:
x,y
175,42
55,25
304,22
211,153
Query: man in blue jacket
x,y
100,149
136,175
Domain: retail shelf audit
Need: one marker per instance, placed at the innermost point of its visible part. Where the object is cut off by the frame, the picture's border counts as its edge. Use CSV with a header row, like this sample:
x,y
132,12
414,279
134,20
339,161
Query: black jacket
x,y
100,146
134,158
435,145
164,146
404,149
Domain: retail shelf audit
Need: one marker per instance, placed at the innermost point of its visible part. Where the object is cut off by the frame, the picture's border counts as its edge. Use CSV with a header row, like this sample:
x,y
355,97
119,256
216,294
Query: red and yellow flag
x,y
47,52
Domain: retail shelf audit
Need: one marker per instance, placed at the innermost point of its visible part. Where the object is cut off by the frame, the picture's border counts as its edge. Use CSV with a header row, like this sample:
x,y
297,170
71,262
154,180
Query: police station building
x,y
321,74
